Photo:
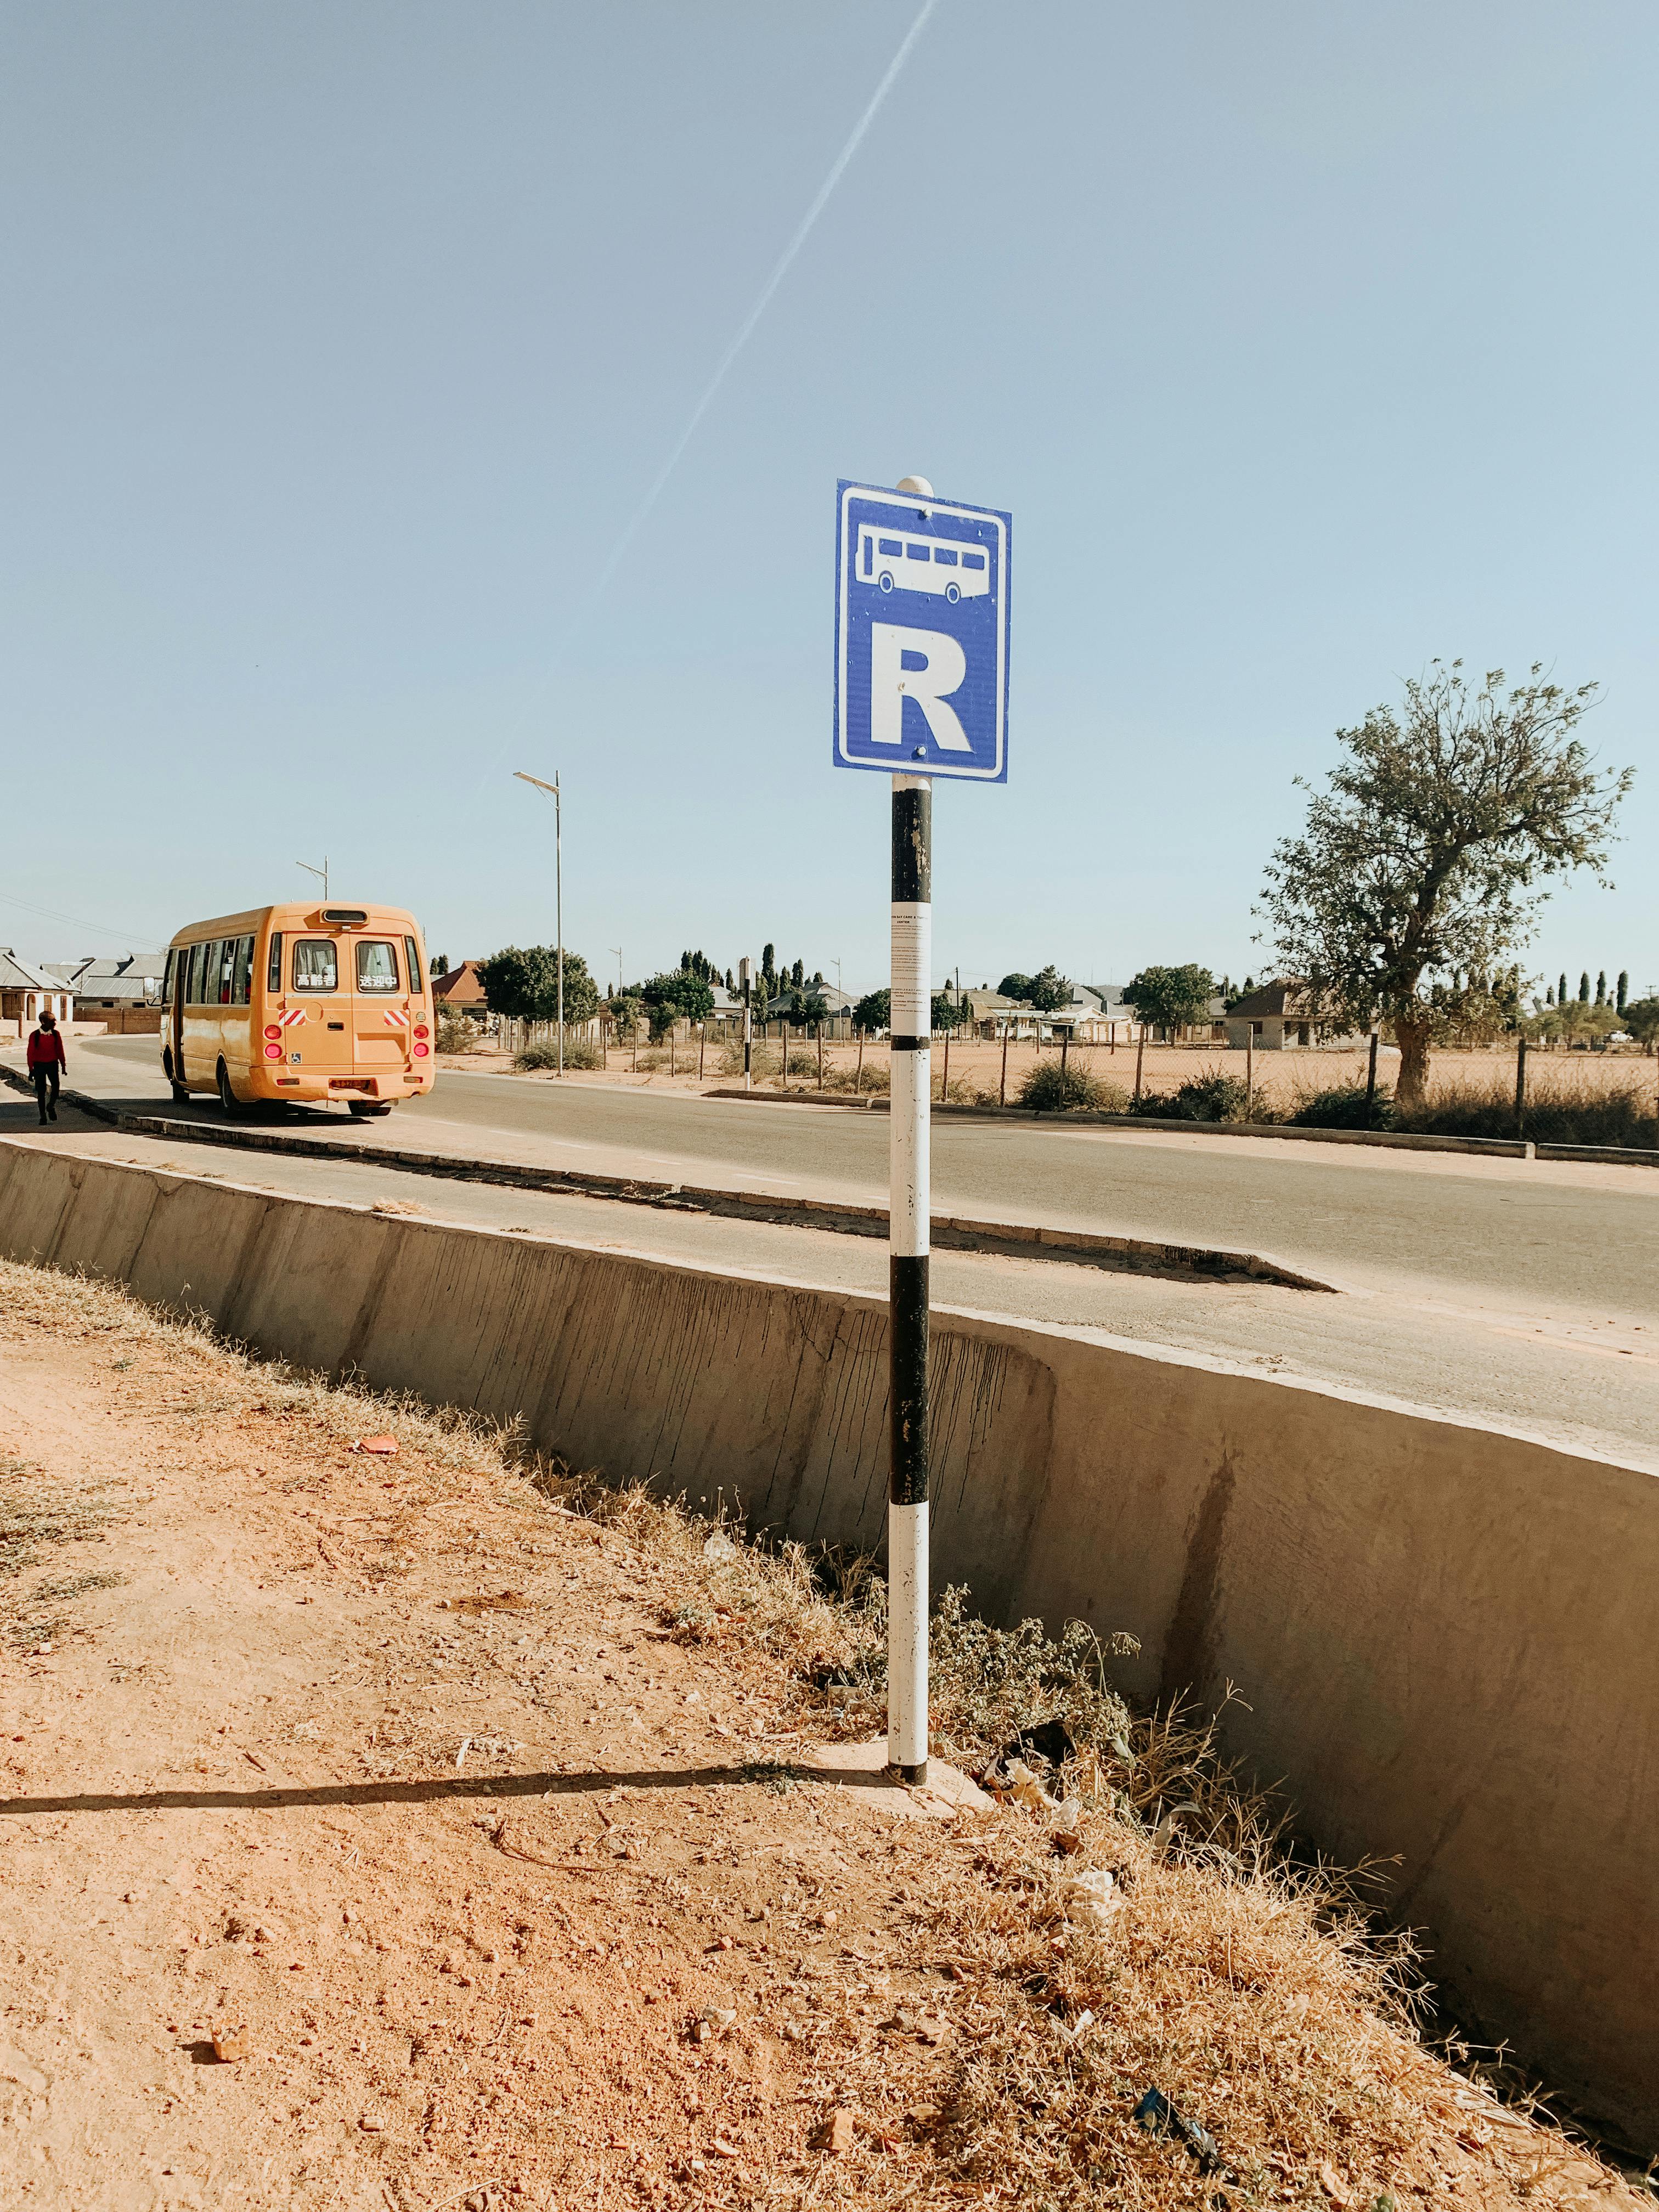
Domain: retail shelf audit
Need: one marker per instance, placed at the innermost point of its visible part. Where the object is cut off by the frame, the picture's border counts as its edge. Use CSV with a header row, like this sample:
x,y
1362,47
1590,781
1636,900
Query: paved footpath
x,y
1521,1293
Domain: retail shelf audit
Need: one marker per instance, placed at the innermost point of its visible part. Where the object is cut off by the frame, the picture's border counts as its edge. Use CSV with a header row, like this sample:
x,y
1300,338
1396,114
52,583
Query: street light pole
x,y
558,883
321,873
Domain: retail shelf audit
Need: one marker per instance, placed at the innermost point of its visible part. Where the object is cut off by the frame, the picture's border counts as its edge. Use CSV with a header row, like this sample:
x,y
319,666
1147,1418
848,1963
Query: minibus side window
x,y
274,965
377,964
210,971
193,975
239,977
416,980
315,967
225,952
169,979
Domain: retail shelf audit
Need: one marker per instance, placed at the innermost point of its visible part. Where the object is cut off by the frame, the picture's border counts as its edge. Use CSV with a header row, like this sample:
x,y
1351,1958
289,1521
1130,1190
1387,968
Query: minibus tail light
x,y
421,1030
273,1033
420,1052
273,1051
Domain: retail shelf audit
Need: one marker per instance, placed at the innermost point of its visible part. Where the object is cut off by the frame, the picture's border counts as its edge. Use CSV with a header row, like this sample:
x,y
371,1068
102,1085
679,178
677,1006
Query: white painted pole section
x,y
907,1635
909,1016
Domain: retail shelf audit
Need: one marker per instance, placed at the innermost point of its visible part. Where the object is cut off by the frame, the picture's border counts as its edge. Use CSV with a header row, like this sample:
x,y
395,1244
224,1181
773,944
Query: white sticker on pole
x,y
910,1011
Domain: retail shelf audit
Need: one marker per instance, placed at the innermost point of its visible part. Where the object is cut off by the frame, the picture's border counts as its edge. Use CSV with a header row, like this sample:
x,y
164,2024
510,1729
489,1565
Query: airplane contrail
x,y
747,327
745,331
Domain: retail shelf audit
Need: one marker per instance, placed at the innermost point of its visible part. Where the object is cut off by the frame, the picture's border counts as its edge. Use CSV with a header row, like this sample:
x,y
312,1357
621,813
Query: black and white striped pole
x,y
910,1015
910,1027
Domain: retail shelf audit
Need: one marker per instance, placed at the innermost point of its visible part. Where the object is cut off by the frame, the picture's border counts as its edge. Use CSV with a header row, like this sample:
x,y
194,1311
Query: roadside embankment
x,y
1441,1629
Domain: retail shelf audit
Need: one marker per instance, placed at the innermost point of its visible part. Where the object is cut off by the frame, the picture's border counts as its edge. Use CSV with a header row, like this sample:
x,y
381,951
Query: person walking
x,y
46,1059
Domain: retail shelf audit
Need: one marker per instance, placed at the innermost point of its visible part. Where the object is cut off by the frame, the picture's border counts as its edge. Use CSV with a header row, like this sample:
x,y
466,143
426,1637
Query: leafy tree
x,y
730,985
948,1013
1623,988
812,1007
874,1011
698,965
1422,856
439,963
1641,1019
1561,990
1601,987
1170,998
1048,990
798,973
1016,986
627,1011
1549,996
1584,988
768,967
522,982
678,995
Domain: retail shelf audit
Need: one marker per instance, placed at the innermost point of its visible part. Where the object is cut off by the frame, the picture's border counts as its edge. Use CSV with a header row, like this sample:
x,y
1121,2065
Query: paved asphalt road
x,y
1575,1238
1522,1294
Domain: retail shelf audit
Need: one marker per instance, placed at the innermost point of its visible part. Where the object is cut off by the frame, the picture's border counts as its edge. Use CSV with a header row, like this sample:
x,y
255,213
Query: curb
x,y
78,1099
1079,1247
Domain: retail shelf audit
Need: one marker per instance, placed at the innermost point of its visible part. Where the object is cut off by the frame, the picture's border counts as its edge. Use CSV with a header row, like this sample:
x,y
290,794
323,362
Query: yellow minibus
x,y
303,1002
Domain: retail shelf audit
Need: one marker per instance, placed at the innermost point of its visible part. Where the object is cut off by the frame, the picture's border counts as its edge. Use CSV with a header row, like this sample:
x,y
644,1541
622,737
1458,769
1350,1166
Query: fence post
x,y
1520,1085
1370,1078
820,1030
702,1038
1249,1070
1140,1054
1002,1087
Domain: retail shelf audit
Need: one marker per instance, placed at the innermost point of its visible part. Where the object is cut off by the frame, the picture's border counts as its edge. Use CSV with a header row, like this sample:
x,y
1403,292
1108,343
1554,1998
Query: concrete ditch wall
x,y
1442,1631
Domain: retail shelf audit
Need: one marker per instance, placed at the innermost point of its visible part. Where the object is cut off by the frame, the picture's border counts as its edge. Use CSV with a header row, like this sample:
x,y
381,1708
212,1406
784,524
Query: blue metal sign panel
x,y
922,635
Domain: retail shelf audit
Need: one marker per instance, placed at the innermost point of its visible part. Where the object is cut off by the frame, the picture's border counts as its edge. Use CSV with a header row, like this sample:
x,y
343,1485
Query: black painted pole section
x,y
909,1017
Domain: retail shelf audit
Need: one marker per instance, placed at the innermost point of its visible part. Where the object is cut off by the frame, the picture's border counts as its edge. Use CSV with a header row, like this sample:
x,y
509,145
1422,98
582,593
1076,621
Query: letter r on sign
x,y
944,664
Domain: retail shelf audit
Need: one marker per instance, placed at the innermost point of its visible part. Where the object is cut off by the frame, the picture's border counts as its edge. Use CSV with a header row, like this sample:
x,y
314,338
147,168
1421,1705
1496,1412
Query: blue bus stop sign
x,y
922,635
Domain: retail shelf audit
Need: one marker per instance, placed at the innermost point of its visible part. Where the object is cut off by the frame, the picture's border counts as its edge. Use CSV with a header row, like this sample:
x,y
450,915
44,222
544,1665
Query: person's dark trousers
x,y
45,1081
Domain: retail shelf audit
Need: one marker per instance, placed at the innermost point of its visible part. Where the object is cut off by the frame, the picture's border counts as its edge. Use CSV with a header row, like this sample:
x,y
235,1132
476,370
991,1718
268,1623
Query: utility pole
x,y
321,873
748,1026
552,789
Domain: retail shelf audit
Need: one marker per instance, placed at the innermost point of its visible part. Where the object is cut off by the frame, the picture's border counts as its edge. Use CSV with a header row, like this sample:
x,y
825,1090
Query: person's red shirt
x,y
45,1046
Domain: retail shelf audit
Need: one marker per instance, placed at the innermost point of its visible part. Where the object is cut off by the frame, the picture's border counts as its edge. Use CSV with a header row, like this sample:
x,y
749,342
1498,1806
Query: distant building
x,y
27,993
1281,1016
461,991
105,986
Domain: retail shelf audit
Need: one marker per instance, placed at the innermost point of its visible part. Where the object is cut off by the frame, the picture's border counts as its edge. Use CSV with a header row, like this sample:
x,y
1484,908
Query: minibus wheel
x,y
228,1098
362,1107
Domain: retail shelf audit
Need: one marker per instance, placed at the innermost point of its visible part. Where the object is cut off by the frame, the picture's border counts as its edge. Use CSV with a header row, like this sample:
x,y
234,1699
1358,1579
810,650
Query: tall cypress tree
x,y
1583,988
1624,987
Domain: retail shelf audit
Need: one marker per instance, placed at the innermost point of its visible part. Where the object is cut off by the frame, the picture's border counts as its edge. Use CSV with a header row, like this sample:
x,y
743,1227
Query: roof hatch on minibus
x,y
346,917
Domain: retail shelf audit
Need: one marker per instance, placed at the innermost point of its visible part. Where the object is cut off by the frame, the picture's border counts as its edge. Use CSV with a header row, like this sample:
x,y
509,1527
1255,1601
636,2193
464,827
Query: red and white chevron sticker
x,y
294,1014
396,1018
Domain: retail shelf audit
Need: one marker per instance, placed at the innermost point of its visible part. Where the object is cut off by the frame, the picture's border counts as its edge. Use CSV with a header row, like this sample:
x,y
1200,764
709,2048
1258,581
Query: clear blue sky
x,y
1304,342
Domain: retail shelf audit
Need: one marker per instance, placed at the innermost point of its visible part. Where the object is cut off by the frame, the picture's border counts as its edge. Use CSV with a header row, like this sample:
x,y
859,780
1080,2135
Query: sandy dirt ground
x,y
488,1838
1282,1078
254,1735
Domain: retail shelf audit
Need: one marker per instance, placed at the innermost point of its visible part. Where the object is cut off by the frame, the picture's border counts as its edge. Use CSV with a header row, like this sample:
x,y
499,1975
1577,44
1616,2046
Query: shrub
x,y
1211,1096
456,1034
1592,1116
872,1078
1049,1088
802,1063
1343,1107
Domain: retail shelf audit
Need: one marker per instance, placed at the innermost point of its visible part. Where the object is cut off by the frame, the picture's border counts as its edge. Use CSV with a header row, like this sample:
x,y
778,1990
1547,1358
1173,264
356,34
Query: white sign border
x,y
911,503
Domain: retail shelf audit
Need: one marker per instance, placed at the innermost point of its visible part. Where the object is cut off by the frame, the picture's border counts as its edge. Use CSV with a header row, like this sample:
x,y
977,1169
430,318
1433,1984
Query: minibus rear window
x,y
416,980
377,965
315,967
274,965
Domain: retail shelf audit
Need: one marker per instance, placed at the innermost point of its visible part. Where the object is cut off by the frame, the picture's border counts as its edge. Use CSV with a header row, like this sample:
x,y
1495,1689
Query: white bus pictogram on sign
x,y
941,565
